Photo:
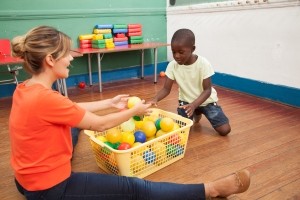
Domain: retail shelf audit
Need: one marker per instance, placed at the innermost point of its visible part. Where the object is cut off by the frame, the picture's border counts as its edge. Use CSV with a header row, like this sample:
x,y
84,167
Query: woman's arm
x,y
119,101
94,122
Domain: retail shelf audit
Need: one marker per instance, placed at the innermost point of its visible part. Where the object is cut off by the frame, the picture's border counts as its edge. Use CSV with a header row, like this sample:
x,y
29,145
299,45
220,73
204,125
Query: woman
x,y
41,143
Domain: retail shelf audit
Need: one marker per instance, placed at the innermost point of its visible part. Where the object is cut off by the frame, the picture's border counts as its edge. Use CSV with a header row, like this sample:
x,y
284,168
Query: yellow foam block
x,y
86,37
102,31
98,37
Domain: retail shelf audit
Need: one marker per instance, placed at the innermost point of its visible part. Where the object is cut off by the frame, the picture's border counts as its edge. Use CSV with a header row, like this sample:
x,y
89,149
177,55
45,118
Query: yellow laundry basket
x,y
147,158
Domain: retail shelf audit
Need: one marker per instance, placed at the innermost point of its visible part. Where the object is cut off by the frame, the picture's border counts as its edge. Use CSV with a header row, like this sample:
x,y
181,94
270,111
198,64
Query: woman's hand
x,y
142,108
120,101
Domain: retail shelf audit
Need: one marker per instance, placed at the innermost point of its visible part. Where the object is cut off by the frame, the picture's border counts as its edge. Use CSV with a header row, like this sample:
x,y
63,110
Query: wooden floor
x,y
265,139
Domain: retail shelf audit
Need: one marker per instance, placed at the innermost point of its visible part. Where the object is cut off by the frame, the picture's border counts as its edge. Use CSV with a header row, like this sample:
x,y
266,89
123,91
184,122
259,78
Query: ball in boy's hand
x,y
132,101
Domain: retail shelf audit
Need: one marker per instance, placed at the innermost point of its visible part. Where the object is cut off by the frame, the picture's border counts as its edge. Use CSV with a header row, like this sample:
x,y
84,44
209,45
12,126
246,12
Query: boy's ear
x,y
193,48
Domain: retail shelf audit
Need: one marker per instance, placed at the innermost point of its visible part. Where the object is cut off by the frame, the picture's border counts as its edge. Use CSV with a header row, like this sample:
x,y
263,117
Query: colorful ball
x,y
101,138
124,146
149,157
128,137
157,123
149,128
174,139
140,136
113,135
160,133
132,101
162,74
166,124
128,126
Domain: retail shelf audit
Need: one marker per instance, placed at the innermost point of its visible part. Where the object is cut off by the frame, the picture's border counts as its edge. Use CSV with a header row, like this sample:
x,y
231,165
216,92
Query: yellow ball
x,y
176,126
128,138
149,128
138,125
114,135
160,133
128,126
101,138
167,124
132,101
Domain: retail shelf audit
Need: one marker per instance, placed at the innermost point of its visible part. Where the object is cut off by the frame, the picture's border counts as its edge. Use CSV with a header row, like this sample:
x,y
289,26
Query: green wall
x,y
75,17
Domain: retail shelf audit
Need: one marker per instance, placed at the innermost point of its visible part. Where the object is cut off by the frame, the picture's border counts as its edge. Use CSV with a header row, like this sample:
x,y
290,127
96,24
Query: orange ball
x,y
162,74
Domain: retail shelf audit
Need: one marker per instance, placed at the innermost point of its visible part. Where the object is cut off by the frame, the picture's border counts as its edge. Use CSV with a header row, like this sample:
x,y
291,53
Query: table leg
x,y
155,65
99,72
142,63
90,69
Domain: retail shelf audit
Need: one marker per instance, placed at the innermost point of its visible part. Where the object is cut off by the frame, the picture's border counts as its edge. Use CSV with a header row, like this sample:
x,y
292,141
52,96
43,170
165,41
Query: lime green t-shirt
x,y
190,78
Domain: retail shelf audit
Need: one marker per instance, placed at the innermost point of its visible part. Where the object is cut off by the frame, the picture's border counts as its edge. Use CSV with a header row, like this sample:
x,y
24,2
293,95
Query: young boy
x,y
192,74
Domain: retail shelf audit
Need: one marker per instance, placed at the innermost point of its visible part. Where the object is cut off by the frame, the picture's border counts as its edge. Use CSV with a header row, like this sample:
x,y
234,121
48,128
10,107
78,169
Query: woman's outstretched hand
x,y
120,101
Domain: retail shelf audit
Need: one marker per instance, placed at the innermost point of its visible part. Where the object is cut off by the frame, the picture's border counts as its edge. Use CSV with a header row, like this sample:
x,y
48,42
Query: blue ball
x,y
140,136
149,156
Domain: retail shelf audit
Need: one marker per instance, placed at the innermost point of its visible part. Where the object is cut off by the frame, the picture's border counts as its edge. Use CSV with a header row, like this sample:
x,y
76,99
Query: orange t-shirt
x,y
41,143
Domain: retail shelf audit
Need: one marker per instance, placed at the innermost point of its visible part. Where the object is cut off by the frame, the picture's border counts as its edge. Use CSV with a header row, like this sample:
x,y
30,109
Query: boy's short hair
x,y
184,35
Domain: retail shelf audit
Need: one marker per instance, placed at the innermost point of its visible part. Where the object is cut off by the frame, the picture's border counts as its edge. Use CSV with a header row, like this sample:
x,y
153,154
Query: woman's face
x,y
61,66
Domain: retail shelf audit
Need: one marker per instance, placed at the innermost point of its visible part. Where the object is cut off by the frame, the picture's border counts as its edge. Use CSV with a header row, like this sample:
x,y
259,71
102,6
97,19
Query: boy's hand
x,y
153,103
189,109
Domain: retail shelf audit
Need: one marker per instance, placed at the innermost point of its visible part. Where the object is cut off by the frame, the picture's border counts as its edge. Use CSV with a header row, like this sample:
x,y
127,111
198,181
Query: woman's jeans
x,y
92,186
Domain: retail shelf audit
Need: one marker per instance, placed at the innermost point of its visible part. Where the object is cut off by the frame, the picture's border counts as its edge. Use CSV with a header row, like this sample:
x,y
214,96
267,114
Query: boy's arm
x,y
189,108
205,94
165,91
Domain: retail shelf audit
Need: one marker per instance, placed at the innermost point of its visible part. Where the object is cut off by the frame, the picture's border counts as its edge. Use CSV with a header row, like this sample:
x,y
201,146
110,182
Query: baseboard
x,y
107,76
277,93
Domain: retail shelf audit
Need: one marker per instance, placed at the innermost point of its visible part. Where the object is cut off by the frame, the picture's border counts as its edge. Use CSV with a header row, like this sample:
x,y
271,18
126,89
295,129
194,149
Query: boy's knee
x,y
223,130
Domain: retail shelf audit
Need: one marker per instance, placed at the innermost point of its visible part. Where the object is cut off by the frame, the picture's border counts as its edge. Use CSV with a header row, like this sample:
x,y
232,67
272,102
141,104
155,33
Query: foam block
x,y
134,34
107,36
84,46
86,37
98,46
104,26
98,41
85,41
140,41
120,30
134,26
120,39
98,37
102,31
133,30
136,37
120,26
121,43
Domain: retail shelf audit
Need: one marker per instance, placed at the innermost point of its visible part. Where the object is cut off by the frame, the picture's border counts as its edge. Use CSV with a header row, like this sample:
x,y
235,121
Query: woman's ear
x,y
49,60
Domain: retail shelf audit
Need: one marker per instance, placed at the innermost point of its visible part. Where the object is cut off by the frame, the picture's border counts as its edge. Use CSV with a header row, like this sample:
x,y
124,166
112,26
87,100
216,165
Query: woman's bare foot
x,y
233,184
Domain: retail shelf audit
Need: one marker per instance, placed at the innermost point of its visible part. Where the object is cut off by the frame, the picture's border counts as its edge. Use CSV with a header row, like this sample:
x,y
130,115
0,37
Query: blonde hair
x,y
39,42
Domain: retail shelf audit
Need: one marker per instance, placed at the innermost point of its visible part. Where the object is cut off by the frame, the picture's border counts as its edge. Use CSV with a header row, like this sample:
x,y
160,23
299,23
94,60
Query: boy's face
x,y
182,53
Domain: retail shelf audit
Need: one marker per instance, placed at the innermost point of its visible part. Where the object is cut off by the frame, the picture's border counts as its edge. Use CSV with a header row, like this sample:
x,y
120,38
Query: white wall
x,y
255,42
